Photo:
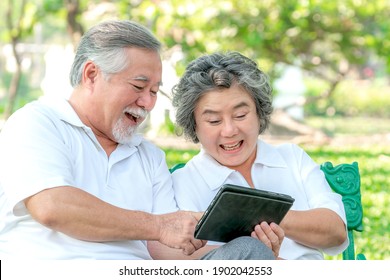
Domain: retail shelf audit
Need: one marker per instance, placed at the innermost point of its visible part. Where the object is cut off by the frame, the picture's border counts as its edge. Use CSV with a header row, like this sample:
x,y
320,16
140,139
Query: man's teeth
x,y
231,147
135,116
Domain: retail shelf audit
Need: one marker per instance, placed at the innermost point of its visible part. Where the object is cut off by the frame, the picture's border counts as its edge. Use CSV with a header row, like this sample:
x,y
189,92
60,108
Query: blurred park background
x,y
329,62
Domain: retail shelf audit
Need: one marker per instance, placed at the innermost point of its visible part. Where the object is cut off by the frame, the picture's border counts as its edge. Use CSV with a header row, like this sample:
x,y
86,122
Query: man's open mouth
x,y
134,117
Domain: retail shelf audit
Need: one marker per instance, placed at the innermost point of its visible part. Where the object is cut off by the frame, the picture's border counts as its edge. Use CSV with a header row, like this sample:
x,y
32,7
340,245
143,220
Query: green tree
x,y
326,39
71,11
20,18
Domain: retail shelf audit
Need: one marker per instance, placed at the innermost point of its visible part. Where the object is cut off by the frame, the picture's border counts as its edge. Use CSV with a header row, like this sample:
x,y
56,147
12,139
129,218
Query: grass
x,y
338,126
375,190
374,162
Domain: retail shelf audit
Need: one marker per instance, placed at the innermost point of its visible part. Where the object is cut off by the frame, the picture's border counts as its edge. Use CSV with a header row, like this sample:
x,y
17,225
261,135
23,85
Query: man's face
x,y
121,102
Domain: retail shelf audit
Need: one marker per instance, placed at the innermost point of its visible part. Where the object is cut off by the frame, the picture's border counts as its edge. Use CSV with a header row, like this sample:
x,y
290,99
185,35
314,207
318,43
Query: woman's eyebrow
x,y
209,112
241,104
214,112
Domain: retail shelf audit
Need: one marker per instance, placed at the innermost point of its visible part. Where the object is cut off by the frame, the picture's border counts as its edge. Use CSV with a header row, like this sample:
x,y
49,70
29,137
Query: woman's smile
x,y
232,147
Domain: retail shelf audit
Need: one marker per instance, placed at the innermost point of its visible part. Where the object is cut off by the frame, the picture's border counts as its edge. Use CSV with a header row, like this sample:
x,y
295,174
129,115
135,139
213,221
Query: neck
x,y
106,142
245,169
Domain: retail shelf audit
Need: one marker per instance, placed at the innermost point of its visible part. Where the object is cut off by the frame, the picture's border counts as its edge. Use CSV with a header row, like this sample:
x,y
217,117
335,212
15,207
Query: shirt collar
x,y
63,110
213,173
269,155
66,113
216,174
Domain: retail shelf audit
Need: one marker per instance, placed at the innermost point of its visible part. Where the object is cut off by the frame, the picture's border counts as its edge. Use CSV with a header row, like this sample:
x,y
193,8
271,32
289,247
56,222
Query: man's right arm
x,y
81,215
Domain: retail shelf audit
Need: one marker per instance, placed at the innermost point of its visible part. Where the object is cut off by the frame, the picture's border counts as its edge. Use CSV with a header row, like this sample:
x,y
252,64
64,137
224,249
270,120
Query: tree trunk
x,y
12,93
15,32
74,28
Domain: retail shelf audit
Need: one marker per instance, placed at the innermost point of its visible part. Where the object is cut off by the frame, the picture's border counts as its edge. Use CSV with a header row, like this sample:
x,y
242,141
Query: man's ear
x,y
90,72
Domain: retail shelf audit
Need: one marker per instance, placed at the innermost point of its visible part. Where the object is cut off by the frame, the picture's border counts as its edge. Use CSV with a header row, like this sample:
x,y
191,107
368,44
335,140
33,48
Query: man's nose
x,y
146,101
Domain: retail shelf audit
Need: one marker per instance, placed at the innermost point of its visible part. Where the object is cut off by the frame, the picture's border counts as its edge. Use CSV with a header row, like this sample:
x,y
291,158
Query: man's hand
x,y
177,231
271,235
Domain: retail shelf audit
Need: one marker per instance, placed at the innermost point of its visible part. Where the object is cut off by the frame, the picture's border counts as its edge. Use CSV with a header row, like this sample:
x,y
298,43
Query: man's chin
x,y
124,141
124,138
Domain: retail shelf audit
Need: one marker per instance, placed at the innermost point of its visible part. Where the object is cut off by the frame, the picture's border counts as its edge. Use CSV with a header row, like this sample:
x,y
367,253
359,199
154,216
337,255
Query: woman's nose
x,y
229,129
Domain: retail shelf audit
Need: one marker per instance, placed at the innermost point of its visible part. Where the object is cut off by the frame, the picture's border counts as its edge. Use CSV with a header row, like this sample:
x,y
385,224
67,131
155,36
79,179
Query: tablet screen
x,y
236,210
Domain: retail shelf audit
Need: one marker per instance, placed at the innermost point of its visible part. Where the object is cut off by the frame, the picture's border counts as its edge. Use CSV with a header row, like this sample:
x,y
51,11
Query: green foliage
x,y
174,156
369,98
25,93
326,38
168,127
321,36
375,188
22,18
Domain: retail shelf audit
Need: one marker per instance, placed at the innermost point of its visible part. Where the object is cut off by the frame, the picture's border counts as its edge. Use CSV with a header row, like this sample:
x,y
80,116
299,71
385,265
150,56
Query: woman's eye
x,y
213,122
241,116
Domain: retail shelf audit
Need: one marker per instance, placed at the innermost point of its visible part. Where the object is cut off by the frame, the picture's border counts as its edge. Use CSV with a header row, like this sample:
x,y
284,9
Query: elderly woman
x,y
224,102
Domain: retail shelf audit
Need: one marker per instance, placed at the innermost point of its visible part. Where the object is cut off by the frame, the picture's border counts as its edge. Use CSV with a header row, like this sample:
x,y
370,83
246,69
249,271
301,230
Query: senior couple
x,y
78,182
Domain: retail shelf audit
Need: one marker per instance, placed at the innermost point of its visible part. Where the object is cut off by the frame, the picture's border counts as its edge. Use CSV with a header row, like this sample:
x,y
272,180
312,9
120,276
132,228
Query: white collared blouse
x,y
285,168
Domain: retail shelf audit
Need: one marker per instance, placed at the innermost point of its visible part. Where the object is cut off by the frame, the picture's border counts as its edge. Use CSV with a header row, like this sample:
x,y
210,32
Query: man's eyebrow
x,y
145,79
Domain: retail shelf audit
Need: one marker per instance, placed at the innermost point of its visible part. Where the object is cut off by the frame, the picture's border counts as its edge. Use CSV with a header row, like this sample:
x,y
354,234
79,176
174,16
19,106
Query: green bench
x,y
345,180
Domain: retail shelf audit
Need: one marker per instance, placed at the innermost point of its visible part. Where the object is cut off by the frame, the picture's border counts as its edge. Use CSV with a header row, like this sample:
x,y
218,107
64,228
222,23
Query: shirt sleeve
x,y
320,195
34,157
163,194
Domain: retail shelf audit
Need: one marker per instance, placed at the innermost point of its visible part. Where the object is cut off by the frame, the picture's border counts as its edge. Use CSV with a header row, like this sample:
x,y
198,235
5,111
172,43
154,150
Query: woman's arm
x,y
317,228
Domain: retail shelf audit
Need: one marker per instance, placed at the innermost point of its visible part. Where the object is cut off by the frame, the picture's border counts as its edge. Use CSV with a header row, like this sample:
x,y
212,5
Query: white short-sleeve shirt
x,y
285,169
45,145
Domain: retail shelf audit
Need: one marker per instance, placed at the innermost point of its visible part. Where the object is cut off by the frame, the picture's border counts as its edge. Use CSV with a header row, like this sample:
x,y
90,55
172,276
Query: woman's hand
x,y
271,235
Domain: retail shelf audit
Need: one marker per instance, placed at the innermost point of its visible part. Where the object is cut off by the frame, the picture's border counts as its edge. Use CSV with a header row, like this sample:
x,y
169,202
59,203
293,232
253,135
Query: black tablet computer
x,y
235,210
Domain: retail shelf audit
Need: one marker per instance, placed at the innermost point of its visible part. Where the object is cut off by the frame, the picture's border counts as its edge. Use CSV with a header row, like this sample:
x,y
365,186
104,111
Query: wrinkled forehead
x,y
221,98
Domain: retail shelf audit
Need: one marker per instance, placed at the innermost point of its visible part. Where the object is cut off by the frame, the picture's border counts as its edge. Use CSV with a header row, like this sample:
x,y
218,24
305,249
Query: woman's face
x,y
227,126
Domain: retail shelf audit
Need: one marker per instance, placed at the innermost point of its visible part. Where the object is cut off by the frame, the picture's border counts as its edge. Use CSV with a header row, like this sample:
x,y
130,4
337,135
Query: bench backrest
x,y
344,179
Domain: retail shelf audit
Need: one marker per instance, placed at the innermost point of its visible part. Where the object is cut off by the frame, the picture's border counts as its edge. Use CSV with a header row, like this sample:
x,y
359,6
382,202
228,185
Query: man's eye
x,y
138,87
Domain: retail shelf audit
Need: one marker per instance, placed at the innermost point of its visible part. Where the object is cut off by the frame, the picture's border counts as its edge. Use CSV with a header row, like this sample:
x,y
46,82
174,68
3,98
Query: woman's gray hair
x,y
220,70
105,44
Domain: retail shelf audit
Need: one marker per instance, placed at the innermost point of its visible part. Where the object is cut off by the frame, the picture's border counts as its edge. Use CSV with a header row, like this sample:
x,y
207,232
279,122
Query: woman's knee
x,y
247,247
